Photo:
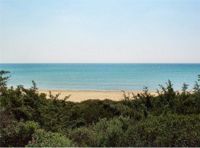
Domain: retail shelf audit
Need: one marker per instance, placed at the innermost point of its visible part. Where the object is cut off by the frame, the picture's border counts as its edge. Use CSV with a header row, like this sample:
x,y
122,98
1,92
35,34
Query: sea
x,y
102,76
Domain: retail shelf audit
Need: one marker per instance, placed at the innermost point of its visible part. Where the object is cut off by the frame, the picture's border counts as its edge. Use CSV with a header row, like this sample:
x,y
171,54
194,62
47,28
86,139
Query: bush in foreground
x,y
42,138
169,130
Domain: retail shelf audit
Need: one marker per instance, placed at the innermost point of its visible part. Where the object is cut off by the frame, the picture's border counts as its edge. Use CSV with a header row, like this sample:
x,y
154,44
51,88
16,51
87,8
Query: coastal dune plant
x,y
3,78
43,138
30,118
103,133
17,134
169,130
83,136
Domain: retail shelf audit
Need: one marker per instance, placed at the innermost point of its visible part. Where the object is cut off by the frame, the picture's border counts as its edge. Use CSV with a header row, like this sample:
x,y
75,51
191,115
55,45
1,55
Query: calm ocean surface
x,y
101,76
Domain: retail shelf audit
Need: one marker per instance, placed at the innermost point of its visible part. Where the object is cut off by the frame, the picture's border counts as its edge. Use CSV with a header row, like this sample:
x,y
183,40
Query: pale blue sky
x,y
108,31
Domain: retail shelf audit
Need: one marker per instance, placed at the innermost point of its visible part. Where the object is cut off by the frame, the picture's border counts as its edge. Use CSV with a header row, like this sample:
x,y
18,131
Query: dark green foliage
x,y
169,118
83,136
110,132
3,79
103,133
169,130
184,88
42,138
17,133
197,88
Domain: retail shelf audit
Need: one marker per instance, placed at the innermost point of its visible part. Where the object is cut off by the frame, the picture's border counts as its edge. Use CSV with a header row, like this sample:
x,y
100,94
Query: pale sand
x,y
82,95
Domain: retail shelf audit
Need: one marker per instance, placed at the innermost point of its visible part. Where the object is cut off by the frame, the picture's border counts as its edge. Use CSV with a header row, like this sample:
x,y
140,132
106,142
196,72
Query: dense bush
x,y
42,138
83,137
169,130
17,133
28,118
103,133
109,133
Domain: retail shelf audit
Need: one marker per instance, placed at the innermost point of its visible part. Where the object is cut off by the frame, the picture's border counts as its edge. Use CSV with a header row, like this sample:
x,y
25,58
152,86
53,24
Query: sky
x,y
99,31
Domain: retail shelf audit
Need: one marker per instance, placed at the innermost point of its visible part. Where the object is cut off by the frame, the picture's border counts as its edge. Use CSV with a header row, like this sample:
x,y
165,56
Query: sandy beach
x,y
81,95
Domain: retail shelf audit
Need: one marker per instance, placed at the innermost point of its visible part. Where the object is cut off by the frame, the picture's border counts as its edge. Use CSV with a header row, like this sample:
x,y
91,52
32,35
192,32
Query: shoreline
x,y
82,95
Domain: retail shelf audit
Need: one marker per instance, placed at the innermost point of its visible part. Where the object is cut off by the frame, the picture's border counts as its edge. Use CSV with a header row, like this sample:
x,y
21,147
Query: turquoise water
x,y
101,76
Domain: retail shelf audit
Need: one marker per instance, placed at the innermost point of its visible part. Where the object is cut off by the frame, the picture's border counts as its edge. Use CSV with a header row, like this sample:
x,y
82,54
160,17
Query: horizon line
x,y
101,63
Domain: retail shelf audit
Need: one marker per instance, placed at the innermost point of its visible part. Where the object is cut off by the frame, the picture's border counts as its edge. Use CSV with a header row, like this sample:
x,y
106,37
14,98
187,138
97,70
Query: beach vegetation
x,y
30,118
42,138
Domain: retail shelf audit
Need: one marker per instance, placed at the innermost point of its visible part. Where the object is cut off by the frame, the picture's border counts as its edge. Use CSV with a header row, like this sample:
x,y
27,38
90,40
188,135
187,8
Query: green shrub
x,y
103,133
169,130
109,132
83,137
41,138
17,133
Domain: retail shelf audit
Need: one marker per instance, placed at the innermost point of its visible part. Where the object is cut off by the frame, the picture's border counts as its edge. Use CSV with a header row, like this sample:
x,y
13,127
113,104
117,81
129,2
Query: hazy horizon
x,y
86,31
96,63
